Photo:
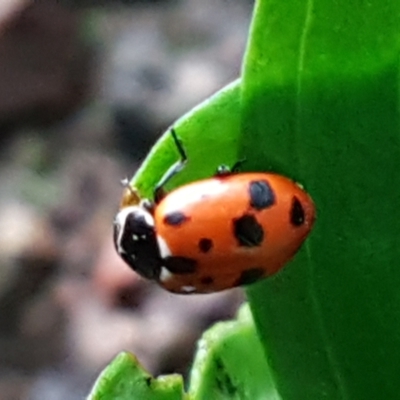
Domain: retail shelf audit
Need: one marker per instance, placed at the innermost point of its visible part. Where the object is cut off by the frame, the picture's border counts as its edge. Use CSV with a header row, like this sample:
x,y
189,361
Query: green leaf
x,y
321,105
224,369
230,364
209,133
125,379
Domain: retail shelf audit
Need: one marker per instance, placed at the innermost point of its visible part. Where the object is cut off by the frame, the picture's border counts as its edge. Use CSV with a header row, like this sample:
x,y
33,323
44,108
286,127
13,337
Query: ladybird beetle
x,y
213,234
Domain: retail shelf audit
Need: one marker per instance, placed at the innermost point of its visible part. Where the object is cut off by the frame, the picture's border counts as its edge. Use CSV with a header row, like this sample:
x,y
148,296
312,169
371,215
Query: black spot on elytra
x,y
175,218
205,245
297,216
248,232
250,276
261,195
180,265
207,280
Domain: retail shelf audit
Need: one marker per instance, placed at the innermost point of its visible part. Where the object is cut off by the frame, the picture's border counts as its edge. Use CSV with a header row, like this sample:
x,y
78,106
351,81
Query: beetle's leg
x,y
224,170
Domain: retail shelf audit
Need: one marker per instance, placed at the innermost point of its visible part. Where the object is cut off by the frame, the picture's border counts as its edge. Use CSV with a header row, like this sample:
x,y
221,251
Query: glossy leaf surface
x,y
321,92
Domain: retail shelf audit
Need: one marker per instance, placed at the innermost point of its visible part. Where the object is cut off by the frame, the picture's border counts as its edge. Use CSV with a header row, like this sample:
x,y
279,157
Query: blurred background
x,y
86,87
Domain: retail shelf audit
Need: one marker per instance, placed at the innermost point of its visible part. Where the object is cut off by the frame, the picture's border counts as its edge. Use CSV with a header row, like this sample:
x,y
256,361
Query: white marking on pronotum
x,y
165,274
163,247
188,289
147,217
120,221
